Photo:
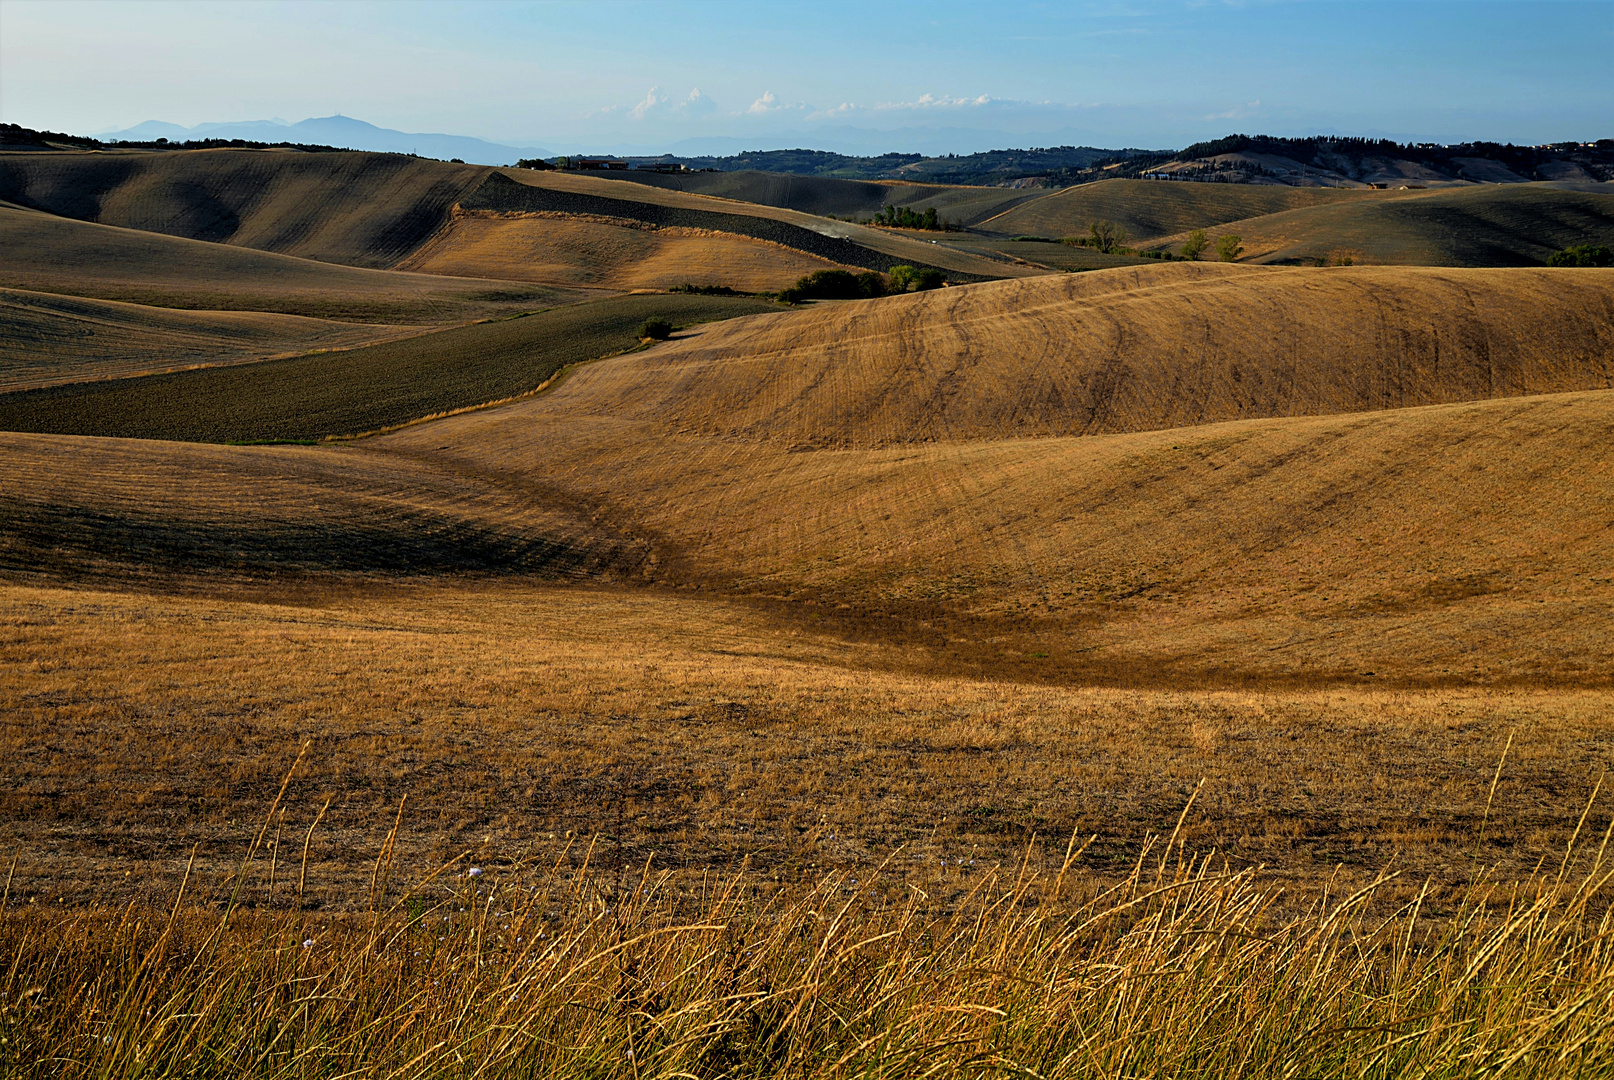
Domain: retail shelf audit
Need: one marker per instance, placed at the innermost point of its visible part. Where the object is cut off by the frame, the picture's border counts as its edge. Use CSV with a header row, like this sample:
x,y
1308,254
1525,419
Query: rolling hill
x,y
525,191
606,252
824,195
1149,209
377,210
45,253
1120,350
998,459
354,208
1493,225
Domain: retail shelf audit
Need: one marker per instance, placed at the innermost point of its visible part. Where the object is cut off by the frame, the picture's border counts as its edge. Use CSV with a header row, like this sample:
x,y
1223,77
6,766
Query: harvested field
x,y
359,390
562,249
1445,545
59,255
779,666
47,339
1493,225
707,733
1154,209
1046,252
354,208
1119,350
844,242
842,198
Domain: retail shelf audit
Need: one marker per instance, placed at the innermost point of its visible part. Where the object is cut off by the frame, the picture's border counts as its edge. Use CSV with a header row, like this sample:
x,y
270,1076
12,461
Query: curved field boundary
x,y
367,389
498,192
47,339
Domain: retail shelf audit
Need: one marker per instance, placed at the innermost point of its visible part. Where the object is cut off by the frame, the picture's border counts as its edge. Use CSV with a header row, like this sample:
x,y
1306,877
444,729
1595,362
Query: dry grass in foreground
x,y
1179,970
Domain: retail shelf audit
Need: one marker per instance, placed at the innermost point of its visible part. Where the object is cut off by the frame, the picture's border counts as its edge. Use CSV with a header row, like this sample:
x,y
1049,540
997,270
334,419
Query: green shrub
x,y
836,285
656,329
1229,247
906,278
1194,245
1582,255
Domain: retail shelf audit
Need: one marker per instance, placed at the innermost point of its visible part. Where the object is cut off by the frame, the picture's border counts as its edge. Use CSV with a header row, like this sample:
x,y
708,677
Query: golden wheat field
x,y
1175,669
607,252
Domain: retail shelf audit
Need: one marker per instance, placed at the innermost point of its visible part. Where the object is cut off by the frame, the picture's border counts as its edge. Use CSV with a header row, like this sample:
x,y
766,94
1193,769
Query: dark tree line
x,y
901,217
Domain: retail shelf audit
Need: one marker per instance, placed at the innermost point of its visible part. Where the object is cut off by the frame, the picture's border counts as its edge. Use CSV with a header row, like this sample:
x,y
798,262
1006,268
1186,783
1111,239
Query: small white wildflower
x,y
475,871
308,943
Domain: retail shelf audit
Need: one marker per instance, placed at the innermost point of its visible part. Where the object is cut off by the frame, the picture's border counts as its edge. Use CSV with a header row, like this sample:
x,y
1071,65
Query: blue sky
x,y
863,76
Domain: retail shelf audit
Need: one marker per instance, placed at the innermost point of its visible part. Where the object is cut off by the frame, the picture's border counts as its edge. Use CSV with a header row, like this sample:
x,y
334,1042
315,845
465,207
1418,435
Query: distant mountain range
x,y
342,131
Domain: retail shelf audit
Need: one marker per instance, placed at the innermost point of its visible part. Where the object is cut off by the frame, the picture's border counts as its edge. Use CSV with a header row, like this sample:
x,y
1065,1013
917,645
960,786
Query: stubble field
x,y
1165,670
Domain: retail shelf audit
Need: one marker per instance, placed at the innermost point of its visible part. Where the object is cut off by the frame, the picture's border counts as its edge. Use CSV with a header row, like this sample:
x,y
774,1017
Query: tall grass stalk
x,y
1183,969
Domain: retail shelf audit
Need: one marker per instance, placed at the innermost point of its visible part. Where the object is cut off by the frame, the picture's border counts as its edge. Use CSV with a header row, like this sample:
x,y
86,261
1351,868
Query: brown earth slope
x,y
355,208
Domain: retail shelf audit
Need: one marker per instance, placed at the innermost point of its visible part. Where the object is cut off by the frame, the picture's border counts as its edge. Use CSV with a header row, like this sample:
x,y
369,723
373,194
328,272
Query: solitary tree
x,y
1228,247
1195,244
1107,236
656,329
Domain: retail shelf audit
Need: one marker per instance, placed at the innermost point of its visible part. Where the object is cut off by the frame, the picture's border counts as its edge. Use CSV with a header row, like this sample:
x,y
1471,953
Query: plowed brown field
x,y
47,339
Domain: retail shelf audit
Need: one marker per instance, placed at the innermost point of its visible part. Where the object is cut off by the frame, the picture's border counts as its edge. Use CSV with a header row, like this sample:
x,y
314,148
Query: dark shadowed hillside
x,y
359,209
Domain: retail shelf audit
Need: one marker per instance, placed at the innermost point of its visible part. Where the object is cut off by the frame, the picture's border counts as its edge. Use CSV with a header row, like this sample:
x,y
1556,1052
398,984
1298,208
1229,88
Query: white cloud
x,y
769,104
696,104
931,101
924,102
651,100
1237,112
